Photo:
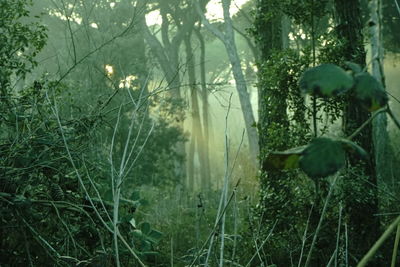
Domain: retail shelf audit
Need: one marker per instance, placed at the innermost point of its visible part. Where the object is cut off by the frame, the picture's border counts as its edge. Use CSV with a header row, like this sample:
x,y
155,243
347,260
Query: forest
x,y
232,133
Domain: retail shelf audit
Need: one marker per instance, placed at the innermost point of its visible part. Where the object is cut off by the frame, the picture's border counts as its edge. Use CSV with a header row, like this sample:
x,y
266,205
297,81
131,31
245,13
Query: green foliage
x,y
369,92
355,68
38,183
391,21
322,157
300,11
326,80
20,42
283,160
50,216
339,98
278,78
285,195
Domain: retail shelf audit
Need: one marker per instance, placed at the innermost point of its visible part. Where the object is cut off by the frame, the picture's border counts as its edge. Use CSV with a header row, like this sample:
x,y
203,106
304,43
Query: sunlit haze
x,y
214,8
214,11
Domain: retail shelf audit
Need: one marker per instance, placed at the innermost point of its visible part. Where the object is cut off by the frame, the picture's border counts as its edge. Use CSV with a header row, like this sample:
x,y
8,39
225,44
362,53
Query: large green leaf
x,y
154,236
322,157
326,80
138,234
287,159
353,66
369,91
132,222
145,228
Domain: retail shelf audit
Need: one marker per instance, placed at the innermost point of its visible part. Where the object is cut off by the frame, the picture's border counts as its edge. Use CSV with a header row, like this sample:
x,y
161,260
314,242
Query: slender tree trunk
x,y
380,134
228,39
249,42
241,85
285,22
197,129
361,208
205,115
190,162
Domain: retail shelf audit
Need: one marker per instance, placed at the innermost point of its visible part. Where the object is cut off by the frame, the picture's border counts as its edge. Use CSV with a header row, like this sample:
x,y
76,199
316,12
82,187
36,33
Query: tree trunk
x,y
167,52
270,107
228,39
241,85
361,208
380,134
197,129
204,100
190,184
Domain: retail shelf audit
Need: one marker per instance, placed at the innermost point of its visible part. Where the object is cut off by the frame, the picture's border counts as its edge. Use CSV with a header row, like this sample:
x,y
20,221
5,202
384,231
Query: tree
x,y
167,53
380,134
20,44
59,203
359,187
272,107
364,226
205,107
279,129
228,39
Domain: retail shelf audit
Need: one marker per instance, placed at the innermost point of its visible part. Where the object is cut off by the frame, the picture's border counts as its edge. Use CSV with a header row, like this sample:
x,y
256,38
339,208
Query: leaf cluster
x,y
325,156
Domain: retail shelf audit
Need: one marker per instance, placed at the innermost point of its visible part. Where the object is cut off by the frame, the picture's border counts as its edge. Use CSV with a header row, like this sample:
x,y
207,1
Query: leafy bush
x,y
56,202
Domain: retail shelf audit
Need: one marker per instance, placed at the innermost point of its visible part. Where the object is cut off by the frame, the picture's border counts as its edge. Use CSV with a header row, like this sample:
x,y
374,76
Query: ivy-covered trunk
x,y
271,105
360,183
276,193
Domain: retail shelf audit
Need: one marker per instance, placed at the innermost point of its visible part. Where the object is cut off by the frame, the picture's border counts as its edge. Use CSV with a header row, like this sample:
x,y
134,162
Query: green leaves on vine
x,y
329,80
322,157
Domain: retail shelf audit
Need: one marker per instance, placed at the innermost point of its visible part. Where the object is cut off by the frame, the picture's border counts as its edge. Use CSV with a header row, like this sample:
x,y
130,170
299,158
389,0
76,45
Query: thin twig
x,y
395,120
27,247
347,245
96,191
92,52
359,129
55,112
235,228
379,243
397,6
215,226
262,244
44,241
396,246
70,28
338,233
321,220
332,258
305,236
66,227
224,192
